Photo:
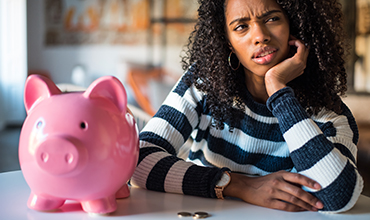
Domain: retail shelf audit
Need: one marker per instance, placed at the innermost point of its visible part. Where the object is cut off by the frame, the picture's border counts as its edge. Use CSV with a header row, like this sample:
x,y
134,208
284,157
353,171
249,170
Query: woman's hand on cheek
x,y
278,76
281,190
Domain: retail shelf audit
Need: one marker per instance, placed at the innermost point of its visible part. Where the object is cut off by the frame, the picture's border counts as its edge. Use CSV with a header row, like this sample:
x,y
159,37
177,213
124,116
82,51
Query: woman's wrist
x,y
235,186
273,86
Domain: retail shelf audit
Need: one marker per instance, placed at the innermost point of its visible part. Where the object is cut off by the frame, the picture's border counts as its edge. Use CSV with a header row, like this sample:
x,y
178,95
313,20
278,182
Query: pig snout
x,y
60,156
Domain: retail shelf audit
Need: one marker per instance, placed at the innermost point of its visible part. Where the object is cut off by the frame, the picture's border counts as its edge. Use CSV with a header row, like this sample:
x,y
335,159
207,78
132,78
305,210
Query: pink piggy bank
x,y
80,146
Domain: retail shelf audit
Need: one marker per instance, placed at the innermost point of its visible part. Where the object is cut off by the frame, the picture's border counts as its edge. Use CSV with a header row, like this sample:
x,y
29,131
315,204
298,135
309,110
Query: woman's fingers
x,y
290,187
296,196
302,49
301,180
289,69
280,190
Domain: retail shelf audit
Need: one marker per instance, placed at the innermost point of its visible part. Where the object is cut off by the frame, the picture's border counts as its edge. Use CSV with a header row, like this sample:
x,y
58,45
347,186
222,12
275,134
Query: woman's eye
x,y
240,27
273,19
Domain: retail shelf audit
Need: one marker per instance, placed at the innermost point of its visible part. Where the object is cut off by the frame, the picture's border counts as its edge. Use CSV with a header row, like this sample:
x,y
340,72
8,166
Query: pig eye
x,y
39,124
83,125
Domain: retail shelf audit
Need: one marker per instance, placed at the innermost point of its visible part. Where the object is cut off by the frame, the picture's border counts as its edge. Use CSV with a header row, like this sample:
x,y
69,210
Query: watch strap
x,y
220,189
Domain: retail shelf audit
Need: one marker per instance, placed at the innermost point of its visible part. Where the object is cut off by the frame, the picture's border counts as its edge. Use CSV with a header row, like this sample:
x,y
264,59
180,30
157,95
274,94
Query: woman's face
x,y
258,32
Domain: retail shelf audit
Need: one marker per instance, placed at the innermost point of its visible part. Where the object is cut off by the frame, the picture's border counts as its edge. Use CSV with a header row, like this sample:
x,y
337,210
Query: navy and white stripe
x,y
272,137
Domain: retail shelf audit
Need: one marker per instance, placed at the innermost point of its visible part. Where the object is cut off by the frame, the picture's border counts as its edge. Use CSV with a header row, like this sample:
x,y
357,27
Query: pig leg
x,y
100,206
123,192
43,204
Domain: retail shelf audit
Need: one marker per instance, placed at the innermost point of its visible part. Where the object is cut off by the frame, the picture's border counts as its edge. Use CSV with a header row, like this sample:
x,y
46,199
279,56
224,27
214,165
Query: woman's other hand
x,y
278,76
281,190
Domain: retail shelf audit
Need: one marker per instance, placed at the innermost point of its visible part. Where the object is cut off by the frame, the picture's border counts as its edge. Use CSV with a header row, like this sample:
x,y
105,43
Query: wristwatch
x,y
221,184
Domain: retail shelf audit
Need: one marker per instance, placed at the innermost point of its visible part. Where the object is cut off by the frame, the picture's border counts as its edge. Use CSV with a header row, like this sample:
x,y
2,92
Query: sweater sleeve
x,y
324,151
159,168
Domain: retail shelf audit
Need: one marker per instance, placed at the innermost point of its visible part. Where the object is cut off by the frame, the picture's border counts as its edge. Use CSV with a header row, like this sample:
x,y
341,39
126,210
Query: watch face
x,y
224,180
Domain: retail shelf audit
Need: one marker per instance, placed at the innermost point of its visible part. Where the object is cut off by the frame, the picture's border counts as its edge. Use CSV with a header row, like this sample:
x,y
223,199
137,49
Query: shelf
x,y
172,20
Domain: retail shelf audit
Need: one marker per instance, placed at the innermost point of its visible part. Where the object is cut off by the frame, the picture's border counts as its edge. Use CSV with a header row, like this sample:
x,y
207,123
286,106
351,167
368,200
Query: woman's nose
x,y
261,35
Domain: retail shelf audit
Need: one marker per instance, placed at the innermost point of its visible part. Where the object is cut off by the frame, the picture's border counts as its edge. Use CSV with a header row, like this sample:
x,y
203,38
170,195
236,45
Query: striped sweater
x,y
277,136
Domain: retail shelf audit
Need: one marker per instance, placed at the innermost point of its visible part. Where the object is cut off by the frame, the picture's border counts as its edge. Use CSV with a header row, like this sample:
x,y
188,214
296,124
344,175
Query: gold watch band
x,y
225,180
219,192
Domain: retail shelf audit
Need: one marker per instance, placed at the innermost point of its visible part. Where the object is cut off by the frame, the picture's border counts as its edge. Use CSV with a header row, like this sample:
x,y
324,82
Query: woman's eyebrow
x,y
258,17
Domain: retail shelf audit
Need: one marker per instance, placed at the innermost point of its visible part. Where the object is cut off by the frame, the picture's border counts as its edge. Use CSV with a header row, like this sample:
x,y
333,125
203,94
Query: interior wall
x,y
97,60
13,61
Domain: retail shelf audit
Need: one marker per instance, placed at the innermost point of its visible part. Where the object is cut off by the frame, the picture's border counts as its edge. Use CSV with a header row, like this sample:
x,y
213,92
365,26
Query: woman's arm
x,y
324,153
159,168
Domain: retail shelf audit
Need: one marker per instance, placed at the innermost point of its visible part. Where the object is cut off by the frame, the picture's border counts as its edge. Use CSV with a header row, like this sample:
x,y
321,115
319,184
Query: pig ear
x,y
38,88
108,87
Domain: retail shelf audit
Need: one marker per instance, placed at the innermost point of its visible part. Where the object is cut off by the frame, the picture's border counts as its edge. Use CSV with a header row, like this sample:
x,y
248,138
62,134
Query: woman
x,y
261,102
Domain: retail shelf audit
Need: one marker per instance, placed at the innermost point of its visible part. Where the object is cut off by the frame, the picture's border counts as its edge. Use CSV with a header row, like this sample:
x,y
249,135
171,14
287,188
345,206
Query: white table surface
x,y
145,204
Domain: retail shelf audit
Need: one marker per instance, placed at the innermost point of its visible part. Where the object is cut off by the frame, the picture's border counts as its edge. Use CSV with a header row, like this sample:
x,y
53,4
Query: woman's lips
x,y
266,57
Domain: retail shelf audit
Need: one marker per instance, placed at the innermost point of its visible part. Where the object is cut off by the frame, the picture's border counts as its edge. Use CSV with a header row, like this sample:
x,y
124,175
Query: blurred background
x,y
73,42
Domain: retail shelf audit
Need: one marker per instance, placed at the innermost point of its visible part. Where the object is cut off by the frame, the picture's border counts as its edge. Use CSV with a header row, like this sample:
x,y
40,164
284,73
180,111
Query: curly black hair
x,y
317,22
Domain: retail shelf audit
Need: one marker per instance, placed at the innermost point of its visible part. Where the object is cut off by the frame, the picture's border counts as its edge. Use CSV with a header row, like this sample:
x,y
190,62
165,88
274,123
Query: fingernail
x,y
319,205
317,186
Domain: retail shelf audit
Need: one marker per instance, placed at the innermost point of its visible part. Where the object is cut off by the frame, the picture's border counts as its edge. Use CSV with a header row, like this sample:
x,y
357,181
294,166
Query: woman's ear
x,y
230,46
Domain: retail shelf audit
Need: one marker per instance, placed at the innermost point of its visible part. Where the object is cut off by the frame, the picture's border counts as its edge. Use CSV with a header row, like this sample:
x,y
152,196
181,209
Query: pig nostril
x,y
45,157
83,125
69,158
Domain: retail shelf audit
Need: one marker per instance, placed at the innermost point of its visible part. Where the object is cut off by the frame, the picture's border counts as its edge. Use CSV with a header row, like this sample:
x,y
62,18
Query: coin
x,y
199,215
184,214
